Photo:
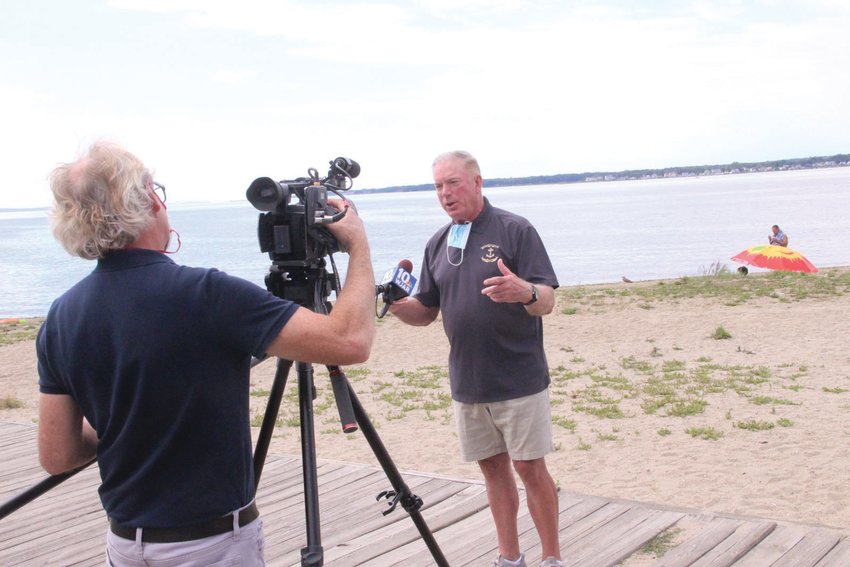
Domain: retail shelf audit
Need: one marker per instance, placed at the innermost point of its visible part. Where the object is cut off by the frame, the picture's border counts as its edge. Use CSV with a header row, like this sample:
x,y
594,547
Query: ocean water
x,y
594,232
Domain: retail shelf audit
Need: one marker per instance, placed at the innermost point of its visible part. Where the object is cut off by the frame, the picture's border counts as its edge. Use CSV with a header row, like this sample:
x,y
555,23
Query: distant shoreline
x,y
734,168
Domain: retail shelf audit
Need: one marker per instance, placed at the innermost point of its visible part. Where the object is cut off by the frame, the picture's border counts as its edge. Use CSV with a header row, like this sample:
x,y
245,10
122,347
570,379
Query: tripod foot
x,y
312,555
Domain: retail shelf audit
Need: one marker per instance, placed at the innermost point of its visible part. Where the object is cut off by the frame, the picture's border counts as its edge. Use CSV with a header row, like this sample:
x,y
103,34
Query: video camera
x,y
292,228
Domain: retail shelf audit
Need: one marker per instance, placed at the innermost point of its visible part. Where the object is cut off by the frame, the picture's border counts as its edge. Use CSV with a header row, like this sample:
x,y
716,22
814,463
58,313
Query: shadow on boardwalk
x,y
67,526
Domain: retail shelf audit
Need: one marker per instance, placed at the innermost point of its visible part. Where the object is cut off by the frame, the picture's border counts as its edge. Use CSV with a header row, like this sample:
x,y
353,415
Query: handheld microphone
x,y
396,284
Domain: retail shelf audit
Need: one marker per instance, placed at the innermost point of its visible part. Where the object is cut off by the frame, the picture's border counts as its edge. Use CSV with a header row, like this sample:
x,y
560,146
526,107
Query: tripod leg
x,y
269,419
37,490
409,501
339,383
313,553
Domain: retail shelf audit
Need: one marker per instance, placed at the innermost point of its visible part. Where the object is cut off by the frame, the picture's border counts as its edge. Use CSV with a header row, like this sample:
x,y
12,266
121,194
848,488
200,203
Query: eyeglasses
x,y
159,189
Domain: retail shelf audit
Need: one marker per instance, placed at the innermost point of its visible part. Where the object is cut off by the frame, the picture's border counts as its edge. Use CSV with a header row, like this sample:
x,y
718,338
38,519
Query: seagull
x,y
627,280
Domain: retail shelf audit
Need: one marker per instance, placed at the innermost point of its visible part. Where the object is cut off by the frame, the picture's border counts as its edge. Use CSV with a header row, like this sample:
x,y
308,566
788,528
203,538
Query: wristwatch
x,y
533,295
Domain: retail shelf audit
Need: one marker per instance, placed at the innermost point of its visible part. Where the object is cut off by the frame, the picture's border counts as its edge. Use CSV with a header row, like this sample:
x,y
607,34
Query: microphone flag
x,y
398,283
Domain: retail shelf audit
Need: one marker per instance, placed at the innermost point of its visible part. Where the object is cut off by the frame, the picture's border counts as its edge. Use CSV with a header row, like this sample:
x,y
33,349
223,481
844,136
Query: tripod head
x,y
308,286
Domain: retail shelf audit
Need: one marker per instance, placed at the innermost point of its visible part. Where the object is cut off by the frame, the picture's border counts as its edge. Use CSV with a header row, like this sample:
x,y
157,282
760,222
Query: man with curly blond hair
x,y
144,364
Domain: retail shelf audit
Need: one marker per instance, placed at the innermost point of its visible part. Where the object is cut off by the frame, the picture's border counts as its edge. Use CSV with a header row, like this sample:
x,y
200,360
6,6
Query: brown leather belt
x,y
171,535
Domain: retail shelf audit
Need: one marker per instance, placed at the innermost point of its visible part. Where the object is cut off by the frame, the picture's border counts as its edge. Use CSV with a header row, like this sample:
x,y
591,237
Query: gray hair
x,y
101,203
469,162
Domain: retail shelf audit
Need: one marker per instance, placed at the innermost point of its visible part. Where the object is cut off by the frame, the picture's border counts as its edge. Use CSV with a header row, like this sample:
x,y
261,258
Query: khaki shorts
x,y
521,427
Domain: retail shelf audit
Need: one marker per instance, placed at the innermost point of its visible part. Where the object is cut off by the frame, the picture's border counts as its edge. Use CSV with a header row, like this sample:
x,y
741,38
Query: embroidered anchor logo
x,y
490,253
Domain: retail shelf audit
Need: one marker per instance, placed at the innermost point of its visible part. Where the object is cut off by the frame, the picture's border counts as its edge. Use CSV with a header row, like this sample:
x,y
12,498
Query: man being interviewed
x,y
145,364
488,272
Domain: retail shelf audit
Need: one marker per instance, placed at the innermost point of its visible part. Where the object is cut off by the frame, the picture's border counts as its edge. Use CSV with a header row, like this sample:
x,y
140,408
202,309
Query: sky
x,y
211,94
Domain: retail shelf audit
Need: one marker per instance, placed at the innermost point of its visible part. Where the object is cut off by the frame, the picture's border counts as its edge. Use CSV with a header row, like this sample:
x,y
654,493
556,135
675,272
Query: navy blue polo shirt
x,y
496,349
158,357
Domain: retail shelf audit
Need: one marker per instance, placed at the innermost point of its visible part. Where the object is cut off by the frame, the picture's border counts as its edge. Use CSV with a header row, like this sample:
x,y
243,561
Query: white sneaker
x,y
502,562
552,562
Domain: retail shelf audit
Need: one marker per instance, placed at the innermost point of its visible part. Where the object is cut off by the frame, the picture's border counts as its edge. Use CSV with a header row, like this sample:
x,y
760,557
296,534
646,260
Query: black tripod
x,y
309,286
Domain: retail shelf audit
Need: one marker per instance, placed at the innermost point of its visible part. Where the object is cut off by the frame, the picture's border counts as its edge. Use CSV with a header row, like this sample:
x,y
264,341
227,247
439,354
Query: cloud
x,y
214,92
233,76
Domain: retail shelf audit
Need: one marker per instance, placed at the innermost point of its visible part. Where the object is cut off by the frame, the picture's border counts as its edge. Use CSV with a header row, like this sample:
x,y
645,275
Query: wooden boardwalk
x,y
66,526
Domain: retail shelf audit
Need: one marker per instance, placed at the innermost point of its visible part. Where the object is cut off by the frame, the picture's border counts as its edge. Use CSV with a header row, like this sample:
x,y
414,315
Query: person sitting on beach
x,y
145,364
488,273
778,237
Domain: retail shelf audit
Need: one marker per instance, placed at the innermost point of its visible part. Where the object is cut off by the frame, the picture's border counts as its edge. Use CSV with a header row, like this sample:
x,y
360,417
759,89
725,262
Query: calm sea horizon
x,y
594,232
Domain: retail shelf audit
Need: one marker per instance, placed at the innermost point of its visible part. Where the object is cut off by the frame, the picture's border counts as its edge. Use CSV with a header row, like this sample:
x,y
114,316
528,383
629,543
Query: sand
x,y
756,424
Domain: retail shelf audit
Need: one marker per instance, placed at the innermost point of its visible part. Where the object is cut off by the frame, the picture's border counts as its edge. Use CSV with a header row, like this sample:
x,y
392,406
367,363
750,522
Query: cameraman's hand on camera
x,y
348,230
345,335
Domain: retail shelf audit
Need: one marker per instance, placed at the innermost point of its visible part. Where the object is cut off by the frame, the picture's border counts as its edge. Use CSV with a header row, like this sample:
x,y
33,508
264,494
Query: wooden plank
x,y
86,545
448,521
738,544
14,432
67,526
21,473
18,449
573,510
779,542
357,520
620,538
576,519
465,503
78,537
406,545
469,538
811,549
483,550
574,533
715,531
839,556
367,546
58,506
286,543
77,494
454,527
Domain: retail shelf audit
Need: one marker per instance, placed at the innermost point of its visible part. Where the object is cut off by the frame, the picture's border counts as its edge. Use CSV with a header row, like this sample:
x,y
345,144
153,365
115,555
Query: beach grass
x,y
719,284
707,433
661,544
15,330
728,288
11,402
668,388
676,390
720,333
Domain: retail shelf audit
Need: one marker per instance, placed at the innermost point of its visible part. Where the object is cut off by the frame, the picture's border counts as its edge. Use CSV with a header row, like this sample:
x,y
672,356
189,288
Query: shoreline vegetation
x,y
718,283
720,392
814,162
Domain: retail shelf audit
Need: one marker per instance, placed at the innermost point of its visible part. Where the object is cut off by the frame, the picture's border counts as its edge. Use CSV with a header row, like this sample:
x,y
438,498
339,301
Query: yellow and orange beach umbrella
x,y
775,257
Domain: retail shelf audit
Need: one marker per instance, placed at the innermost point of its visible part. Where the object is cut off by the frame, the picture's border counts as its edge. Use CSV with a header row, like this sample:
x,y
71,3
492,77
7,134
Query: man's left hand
x,y
507,288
